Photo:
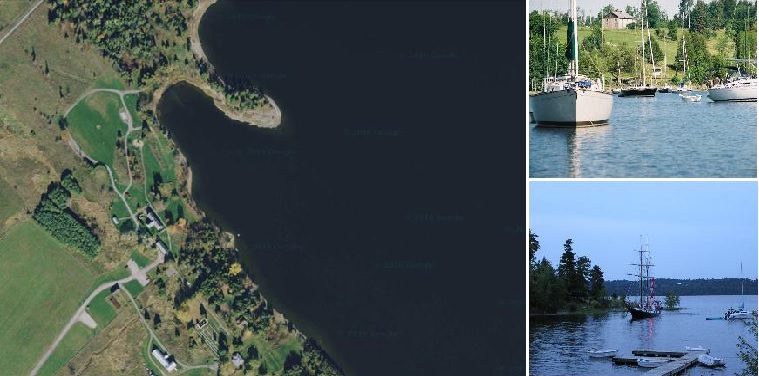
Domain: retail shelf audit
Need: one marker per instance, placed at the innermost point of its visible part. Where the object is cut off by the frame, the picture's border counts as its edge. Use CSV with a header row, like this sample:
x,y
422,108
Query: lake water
x,y
557,343
655,137
376,216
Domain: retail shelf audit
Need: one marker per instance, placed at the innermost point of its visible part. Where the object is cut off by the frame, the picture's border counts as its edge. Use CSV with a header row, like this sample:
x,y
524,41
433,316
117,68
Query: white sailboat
x,y
571,100
741,313
736,88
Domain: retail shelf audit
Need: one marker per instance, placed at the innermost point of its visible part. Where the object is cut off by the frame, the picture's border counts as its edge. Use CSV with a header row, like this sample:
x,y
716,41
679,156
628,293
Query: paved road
x,y
83,307
23,18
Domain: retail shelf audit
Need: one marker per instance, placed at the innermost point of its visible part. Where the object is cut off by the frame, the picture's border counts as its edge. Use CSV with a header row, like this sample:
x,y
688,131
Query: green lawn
x,y
108,82
10,203
118,209
275,358
134,287
101,309
43,284
94,123
141,260
74,341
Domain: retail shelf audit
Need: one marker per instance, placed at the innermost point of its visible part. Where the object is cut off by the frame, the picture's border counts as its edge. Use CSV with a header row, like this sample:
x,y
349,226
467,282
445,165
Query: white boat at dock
x,y
710,361
652,362
690,97
697,349
602,353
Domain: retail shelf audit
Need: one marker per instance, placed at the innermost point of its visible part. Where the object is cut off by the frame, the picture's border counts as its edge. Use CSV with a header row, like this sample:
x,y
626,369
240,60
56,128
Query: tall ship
x,y
573,99
646,306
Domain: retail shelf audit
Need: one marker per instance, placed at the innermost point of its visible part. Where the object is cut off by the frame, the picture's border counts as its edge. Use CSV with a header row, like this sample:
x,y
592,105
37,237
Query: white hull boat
x,y
602,353
571,100
651,363
739,315
691,97
710,361
572,107
697,349
742,90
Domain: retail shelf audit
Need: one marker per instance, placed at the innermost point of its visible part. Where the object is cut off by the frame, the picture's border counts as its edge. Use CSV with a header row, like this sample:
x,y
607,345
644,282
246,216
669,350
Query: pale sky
x,y
694,229
594,6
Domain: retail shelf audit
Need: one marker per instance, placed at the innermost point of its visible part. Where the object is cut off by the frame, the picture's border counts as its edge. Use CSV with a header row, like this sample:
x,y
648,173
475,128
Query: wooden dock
x,y
680,361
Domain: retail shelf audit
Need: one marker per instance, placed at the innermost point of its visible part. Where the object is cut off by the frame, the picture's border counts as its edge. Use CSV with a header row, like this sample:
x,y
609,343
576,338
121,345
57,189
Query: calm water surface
x,y
558,343
653,137
376,216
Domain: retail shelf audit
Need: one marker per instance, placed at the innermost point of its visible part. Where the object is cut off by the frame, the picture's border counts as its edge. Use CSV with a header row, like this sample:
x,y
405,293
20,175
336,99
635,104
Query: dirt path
x,y
82,310
23,18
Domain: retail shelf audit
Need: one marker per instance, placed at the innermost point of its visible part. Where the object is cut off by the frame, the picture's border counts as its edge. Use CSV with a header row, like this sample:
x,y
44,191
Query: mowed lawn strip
x,y
74,341
42,286
94,123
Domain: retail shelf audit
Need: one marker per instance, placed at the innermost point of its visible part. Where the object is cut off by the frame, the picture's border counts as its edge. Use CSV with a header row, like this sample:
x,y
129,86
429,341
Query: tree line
x,y
699,286
699,21
574,283
54,215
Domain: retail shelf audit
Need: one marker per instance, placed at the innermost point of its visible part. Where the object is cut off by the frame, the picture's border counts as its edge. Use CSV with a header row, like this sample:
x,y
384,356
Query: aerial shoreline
x,y
268,117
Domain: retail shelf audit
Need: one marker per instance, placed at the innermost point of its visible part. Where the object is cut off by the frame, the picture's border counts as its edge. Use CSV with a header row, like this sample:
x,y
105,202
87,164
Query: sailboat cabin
x,y
617,19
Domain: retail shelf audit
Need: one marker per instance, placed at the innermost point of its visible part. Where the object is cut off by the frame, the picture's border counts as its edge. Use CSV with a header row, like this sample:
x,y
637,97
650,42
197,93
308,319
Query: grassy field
x,y
101,309
74,341
134,287
45,283
10,203
94,123
10,12
141,260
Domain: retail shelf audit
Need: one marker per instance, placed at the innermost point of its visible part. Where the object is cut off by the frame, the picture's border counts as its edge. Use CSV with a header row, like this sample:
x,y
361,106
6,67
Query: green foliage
x,y
69,182
672,301
53,214
747,350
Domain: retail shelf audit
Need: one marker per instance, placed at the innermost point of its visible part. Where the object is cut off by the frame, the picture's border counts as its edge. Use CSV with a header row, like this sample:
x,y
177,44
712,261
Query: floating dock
x,y
681,361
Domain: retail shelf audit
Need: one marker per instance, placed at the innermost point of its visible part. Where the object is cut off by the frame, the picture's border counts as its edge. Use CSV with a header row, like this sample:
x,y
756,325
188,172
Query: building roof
x,y
618,14
237,360
161,247
164,360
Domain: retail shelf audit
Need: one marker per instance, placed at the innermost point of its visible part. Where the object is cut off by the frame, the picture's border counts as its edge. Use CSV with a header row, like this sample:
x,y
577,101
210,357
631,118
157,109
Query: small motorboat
x,y
652,362
616,91
690,97
697,349
710,361
601,353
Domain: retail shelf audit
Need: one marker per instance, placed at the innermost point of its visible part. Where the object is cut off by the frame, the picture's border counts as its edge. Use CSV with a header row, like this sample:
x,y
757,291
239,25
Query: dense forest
x,y
711,33
55,216
701,286
143,38
573,285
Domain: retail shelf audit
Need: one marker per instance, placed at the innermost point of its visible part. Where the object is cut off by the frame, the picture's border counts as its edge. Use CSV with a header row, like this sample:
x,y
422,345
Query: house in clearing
x,y
152,220
617,19
161,247
164,360
237,360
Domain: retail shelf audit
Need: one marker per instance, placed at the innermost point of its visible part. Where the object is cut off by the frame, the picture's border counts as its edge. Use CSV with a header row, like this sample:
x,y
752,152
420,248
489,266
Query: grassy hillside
x,y
44,283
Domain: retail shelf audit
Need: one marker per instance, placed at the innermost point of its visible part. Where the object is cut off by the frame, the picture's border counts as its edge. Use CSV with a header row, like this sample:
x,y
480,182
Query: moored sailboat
x,y
642,90
571,100
645,307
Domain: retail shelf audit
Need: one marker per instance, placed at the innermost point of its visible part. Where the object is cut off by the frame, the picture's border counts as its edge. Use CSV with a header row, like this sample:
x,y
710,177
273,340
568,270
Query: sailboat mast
x,y
576,52
641,273
643,70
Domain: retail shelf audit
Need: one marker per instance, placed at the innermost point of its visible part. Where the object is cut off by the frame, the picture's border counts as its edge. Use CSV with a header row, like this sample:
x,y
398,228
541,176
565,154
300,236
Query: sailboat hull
x,y
571,108
638,314
745,92
638,92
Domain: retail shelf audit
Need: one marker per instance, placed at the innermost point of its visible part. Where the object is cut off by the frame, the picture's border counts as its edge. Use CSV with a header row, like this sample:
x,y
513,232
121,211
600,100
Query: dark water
x,y
376,217
655,137
558,343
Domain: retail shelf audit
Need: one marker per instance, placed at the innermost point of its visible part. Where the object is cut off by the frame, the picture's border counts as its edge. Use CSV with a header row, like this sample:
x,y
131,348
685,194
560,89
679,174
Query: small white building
x,y
164,360
237,360
617,19
152,220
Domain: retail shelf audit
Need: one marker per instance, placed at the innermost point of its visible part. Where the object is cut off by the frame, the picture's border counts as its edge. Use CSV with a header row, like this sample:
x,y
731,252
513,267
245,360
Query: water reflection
x,y
574,138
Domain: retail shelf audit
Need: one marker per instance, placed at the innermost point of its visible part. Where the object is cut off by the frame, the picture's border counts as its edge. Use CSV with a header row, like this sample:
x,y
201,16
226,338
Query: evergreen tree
x,y
597,290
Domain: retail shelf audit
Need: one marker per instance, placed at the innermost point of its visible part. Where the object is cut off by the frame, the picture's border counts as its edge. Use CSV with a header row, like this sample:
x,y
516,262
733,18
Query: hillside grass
x,y
74,341
94,123
10,202
45,284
